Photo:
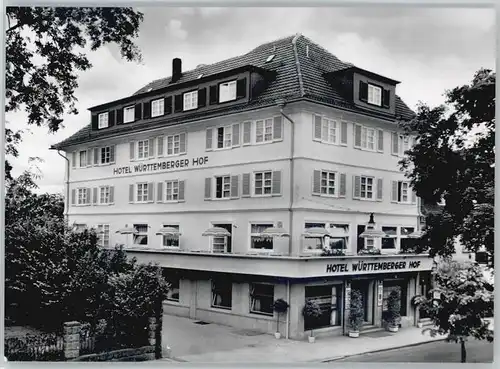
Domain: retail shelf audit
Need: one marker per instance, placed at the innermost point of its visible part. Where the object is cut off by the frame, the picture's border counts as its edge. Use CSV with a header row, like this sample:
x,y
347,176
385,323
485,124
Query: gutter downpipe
x,y
67,185
281,105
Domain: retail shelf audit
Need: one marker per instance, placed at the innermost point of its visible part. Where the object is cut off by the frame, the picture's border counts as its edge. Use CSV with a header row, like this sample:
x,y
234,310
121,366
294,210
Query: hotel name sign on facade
x,y
375,267
161,165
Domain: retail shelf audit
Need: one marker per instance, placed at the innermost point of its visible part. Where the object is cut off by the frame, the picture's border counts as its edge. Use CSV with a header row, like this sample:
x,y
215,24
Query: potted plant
x,y
415,302
356,313
393,310
311,310
280,306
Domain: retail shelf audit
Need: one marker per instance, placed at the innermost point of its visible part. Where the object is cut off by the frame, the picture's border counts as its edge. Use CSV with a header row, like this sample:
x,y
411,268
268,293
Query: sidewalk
x,y
324,349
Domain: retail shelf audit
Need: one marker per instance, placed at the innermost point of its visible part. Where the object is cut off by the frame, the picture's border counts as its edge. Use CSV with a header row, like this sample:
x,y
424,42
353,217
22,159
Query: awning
x,y
127,230
338,232
169,232
315,232
416,234
372,233
274,232
216,232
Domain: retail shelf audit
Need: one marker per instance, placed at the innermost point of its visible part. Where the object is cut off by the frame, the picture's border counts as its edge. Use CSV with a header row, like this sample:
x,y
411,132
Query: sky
x,y
428,49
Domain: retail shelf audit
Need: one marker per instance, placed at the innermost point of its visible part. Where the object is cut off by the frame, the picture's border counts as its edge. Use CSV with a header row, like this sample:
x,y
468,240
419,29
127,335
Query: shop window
x,y
261,298
390,286
222,294
174,286
328,298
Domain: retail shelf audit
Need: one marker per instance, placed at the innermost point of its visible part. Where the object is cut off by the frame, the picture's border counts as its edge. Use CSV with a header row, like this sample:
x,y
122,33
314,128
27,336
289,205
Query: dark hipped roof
x,y
298,77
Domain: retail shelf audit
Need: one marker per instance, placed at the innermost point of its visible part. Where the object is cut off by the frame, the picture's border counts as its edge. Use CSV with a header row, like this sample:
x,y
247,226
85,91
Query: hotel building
x,y
286,137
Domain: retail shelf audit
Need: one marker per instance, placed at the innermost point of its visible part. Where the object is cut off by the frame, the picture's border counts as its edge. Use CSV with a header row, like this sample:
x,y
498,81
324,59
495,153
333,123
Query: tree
x,y
44,51
462,299
453,160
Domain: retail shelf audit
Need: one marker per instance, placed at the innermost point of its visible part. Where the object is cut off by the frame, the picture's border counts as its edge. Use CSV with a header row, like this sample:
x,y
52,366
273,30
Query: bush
x,y
356,311
372,251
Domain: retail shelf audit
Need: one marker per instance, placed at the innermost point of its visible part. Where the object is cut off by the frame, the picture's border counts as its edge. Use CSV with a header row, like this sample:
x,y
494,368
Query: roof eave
x,y
364,71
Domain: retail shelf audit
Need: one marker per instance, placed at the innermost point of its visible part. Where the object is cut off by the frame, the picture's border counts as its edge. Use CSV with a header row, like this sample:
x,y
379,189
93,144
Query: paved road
x,y
477,352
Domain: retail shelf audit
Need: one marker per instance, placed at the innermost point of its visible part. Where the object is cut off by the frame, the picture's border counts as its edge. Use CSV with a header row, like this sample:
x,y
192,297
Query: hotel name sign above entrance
x,y
377,266
161,165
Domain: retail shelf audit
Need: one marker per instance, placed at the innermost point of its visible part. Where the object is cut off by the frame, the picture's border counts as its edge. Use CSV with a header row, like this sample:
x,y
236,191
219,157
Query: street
x,y
477,352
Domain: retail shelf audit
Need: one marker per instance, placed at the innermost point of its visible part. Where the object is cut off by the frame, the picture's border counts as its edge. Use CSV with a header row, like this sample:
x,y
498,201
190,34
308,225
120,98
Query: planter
x,y
420,324
311,339
277,335
393,329
354,334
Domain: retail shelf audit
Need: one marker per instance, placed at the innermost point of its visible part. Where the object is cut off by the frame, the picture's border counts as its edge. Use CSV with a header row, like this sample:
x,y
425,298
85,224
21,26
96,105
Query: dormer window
x,y
157,107
227,91
103,120
374,95
128,114
190,100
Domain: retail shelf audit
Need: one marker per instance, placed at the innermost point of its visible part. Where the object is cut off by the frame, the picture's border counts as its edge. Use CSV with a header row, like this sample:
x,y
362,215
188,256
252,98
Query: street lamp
x,y
370,231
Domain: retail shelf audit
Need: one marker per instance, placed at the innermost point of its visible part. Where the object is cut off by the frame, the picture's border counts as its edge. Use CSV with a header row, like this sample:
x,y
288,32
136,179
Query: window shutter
x,y
357,136
96,156
138,111
151,192
95,122
276,183
208,188
214,95
89,193
73,159
112,154
343,133
278,128
94,195
247,133
182,143
236,135
380,189
147,110
159,192
395,144
241,88
363,91
111,118
160,140
380,144
394,191
111,194
356,187
73,197
209,138
202,97
181,190
317,127
89,157
234,187
119,116
386,98
245,188
151,147
316,182
342,186
168,105
177,103
132,150
131,193
413,197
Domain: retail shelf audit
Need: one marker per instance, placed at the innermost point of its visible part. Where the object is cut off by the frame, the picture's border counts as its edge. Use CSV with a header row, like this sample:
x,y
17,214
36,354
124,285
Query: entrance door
x,y
222,244
365,287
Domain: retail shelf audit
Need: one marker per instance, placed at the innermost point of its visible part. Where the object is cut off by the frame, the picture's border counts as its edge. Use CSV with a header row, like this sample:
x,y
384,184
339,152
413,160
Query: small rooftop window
x,y
149,89
201,75
269,58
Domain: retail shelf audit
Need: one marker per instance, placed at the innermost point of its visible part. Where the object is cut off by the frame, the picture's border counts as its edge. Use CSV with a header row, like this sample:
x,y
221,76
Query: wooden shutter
x,y
356,187
182,143
111,118
234,187
94,195
236,135
147,110
151,192
241,88
151,148
276,183
73,159
119,116
247,133
138,111
96,155
394,191
202,97
181,190
131,193
386,98
278,128
159,141
111,194
395,143
159,192
245,188
380,189
343,133
214,95
316,188
89,157
357,136
168,105
209,138
343,185
363,91
413,197
73,197
208,188
132,150
317,127
178,103
95,122
89,193
380,141
112,154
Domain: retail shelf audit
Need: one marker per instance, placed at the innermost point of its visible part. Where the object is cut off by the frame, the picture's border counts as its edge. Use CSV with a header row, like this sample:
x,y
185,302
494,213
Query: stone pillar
x,y
347,305
71,340
379,291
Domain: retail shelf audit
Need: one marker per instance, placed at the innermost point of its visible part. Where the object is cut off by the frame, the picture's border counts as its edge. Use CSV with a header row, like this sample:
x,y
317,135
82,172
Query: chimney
x,y
176,70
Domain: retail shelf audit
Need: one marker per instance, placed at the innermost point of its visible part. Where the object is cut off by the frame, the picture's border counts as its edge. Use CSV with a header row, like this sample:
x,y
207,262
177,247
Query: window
x,y
172,190
190,100
104,195
143,149
313,243
328,183
174,281
264,130
82,196
227,91
374,95
79,227
390,239
142,192
173,145
405,242
103,120
107,155
222,187
328,298
390,286
103,234
368,243
170,241
366,188
157,107
224,137
338,239
128,114
263,183
222,244
261,298
256,241
368,138
404,192
403,144
329,131
222,294
141,237
269,58
83,158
